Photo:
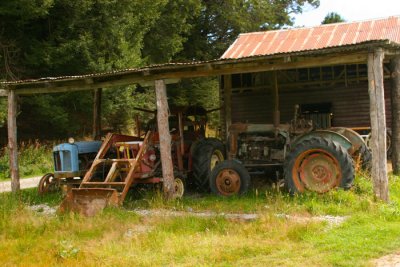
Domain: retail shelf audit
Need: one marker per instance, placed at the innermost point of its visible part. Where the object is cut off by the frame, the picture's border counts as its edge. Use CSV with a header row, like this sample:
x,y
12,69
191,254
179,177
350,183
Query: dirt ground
x,y
25,183
392,260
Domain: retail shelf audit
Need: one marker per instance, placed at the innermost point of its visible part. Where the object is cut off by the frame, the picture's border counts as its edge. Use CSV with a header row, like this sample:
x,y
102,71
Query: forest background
x,y
45,38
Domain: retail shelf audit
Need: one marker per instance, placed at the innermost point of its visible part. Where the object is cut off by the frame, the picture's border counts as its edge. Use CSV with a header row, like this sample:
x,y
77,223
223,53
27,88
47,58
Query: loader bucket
x,y
89,201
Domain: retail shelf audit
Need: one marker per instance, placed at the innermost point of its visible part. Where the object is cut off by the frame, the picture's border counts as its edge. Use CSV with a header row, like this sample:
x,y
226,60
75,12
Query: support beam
x,y
227,104
395,97
97,114
275,93
180,71
12,140
165,139
378,124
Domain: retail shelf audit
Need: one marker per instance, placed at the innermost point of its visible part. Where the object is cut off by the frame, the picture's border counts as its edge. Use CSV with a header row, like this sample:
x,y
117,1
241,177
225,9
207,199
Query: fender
x,y
342,140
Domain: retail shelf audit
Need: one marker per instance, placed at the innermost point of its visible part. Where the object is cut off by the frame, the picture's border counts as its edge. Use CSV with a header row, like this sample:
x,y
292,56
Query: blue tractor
x,y
71,162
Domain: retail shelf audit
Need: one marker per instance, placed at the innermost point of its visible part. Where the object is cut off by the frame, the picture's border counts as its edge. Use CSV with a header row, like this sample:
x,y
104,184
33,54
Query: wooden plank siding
x,y
349,103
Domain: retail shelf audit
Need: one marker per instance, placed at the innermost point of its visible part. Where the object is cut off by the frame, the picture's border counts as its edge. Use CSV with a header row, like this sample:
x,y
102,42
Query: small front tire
x,y
229,178
47,184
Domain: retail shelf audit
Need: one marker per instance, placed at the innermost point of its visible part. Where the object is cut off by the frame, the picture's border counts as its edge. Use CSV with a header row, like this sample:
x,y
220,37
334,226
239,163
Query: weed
x,y
34,159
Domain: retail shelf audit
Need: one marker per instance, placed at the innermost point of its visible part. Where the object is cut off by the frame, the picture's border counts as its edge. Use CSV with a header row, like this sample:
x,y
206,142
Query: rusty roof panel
x,y
320,37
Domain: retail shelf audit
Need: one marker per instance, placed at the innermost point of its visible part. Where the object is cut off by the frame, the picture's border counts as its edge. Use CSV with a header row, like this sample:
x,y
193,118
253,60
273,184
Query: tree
x,y
221,21
43,38
332,17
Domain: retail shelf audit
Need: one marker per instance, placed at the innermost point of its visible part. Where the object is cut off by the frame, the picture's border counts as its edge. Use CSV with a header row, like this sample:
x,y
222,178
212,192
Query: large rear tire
x,y
319,165
229,178
207,154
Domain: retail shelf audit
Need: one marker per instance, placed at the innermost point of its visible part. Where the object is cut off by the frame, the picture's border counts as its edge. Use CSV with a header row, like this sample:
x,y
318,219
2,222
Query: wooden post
x,y
12,140
165,139
277,114
227,103
378,124
97,114
395,97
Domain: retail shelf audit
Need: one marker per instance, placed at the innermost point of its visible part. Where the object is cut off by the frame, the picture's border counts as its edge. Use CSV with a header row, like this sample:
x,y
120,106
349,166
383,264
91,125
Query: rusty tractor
x,y
124,161
307,159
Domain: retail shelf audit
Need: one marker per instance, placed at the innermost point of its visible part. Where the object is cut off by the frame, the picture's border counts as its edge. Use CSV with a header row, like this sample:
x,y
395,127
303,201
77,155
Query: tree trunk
x,y
378,124
12,140
395,97
165,139
97,114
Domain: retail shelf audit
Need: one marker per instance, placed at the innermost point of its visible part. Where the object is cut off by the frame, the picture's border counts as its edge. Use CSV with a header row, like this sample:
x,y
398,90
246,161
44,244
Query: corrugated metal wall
x,y
350,104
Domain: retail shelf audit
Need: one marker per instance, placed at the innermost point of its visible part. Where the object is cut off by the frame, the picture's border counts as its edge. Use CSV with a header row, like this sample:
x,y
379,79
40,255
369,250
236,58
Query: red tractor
x,y
124,161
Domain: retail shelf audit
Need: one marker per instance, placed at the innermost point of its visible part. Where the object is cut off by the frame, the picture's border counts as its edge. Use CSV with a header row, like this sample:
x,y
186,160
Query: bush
x,y
34,159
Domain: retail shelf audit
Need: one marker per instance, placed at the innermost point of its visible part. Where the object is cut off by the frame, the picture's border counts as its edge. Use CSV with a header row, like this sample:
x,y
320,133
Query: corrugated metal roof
x,y
315,38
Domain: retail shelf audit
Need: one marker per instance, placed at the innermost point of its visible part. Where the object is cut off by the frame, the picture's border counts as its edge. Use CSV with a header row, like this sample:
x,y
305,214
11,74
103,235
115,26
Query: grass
x,y
119,237
35,159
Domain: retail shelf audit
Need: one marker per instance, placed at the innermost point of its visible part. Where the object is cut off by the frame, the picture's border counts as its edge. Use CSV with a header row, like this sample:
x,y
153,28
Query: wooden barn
x,y
324,71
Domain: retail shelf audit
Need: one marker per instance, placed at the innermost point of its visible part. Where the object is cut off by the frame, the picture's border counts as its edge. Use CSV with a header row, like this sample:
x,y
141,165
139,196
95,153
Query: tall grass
x,y
120,237
34,158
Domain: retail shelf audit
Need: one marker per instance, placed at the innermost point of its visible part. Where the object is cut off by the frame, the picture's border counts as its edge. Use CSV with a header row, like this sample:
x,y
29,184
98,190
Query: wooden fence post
x,y
12,140
378,124
165,139
395,98
97,114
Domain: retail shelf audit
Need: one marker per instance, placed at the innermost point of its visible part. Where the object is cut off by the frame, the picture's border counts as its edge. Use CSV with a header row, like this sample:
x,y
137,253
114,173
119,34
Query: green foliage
x,y
332,17
3,111
42,38
34,159
200,92
221,21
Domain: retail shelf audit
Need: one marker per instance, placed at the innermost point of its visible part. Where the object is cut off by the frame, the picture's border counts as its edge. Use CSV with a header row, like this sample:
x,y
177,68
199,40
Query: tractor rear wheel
x,y
207,154
319,165
229,178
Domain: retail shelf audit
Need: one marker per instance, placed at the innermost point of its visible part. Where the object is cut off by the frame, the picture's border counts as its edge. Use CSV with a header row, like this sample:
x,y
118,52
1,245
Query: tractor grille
x,y
62,162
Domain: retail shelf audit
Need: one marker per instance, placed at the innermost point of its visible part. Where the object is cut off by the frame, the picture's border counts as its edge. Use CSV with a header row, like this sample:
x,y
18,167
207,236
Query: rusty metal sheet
x,y
320,37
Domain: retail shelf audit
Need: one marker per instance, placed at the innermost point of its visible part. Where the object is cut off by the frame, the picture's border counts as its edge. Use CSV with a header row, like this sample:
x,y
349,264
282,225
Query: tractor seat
x,y
128,150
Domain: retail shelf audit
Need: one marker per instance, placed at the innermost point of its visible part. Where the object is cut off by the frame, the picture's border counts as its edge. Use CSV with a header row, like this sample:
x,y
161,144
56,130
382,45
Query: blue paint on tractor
x,y
69,157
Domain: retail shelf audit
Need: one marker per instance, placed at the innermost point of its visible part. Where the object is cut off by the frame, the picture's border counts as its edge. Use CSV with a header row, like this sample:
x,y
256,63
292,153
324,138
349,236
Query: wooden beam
x,y
97,114
165,139
275,93
395,98
179,71
227,104
3,92
12,140
378,124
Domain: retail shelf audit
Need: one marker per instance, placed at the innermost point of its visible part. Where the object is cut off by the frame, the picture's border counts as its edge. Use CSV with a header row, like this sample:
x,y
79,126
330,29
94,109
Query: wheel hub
x,y
228,182
317,170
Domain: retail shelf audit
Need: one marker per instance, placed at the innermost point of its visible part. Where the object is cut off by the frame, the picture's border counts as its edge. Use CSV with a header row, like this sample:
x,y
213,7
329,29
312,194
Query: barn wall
x,y
349,102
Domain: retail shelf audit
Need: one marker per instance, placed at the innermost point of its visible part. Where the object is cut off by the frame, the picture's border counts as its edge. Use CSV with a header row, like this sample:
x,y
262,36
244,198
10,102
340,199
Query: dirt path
x,y
25,183
392,260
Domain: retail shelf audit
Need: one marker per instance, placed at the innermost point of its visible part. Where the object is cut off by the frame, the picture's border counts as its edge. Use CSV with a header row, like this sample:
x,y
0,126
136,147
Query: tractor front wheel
x,y
47,184
229,178
319,165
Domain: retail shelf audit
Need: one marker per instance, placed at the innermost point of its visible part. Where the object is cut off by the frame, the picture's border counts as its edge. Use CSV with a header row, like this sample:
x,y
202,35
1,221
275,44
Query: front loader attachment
x,y
89,201
109,178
